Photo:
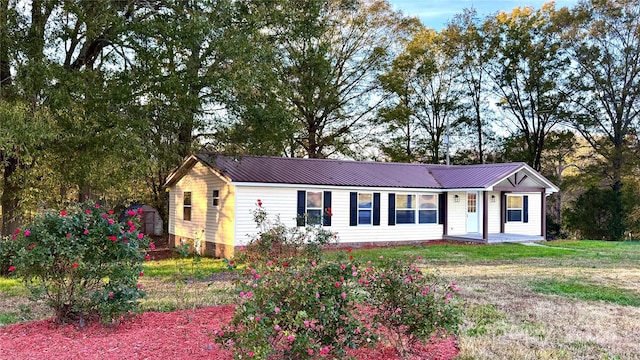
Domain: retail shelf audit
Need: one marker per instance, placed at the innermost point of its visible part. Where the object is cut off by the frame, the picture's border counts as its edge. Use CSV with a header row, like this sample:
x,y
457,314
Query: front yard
x,y
564,300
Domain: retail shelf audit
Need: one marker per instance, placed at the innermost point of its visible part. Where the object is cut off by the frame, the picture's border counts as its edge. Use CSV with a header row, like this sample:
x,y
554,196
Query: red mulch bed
x,y
152,335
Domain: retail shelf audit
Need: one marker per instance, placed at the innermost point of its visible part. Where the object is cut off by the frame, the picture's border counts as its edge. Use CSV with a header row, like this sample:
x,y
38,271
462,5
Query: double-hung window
x,y
365,208
186,206
216,198
405,209
428,209
514,208
314,208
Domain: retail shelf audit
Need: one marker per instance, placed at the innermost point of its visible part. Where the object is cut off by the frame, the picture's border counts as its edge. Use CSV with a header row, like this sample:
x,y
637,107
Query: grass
x,y
576,289
168,269
566,300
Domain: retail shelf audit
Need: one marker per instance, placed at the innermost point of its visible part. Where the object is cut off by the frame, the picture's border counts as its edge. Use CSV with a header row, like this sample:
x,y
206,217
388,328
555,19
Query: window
x,y
186,206
472,203
314,208
428,209
365,207
216,198
514,208
405,209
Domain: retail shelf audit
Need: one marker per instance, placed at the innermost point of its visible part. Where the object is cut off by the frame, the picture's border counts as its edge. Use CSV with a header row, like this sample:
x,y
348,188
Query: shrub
x,y
296,312
296,304
278,242
82,262
411,305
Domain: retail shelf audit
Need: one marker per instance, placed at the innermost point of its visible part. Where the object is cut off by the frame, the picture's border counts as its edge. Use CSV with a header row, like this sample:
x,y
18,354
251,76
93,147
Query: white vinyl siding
x,y
208,222
534,225
457,220
283,201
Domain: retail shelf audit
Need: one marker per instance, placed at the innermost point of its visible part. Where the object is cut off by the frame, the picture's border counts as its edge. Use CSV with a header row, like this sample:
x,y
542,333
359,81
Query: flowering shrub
x,y
296,304
296,312
278,242
412,305
82,262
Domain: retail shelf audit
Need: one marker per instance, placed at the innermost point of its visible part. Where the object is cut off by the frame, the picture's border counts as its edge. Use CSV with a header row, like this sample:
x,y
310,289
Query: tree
x,y
469,51
327,55
603,40
422,83
528,74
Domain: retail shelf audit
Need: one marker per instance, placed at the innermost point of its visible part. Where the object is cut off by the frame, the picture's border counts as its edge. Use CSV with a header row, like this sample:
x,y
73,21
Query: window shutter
x,y
302,199
525,209
376,209
353,209
392,209
442,208
326,220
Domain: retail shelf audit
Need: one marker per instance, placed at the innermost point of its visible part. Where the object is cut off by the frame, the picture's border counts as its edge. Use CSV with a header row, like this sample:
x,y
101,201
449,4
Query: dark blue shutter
x,y
392,209
302,199
525,209
376,209
326,220
442,208
353,209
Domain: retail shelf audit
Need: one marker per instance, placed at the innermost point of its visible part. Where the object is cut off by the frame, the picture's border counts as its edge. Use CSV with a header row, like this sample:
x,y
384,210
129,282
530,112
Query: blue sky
x,y
436,13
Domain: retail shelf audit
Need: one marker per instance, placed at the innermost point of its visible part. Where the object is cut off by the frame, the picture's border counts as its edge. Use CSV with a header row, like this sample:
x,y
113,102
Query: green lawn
x,y
563,300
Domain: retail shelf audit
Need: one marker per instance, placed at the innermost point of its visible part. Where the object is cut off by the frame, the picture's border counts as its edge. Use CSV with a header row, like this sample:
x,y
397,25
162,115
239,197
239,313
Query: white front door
x,y
472,212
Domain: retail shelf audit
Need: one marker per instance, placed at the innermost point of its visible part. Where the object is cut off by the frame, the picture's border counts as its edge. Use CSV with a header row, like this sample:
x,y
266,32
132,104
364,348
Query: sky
x,y
436,13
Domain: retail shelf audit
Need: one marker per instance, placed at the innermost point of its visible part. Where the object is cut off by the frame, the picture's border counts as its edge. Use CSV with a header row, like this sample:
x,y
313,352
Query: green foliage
x,y
412,305
596,214
576,289
82,262
296,302
277,241
296,311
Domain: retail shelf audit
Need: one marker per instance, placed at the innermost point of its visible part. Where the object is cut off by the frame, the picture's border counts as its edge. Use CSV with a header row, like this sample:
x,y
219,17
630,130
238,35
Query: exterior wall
x,y
283,201
457,220
534,226
212,225
494,212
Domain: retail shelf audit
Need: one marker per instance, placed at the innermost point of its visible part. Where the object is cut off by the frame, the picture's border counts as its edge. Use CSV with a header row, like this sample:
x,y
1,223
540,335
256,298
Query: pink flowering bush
x,y
82,262
295,303
299,311
411,305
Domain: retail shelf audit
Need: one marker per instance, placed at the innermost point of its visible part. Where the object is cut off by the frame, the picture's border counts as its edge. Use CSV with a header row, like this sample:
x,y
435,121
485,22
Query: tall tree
x,y
327,57
603,39
469,51
425,98
528,73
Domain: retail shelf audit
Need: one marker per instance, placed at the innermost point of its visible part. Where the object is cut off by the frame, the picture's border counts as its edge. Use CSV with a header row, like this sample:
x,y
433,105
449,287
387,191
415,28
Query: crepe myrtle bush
x,y
82,262
412,305
296,311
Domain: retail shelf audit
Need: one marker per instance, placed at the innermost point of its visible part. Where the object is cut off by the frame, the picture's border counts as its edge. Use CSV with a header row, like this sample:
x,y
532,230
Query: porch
x,y
495,238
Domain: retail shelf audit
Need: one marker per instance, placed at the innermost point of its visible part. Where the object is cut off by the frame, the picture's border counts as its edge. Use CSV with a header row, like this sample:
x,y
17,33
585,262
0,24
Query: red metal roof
x,y
264,169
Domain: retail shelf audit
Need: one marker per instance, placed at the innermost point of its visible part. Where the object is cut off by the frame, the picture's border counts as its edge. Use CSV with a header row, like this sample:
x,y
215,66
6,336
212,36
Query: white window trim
x,y
437,210
370,209
307,208
185,206
520,208
214,198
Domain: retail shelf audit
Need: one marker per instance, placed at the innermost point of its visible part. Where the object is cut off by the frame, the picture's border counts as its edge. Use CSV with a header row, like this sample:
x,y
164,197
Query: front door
x,y
472,212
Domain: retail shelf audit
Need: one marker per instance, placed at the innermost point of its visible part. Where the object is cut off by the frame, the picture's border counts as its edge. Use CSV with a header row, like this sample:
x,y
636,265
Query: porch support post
x,y
485,216
543,220
503,210
445,223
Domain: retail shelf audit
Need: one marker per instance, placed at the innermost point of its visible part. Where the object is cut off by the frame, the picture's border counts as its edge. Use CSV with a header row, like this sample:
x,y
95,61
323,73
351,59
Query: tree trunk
x,y
11,217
